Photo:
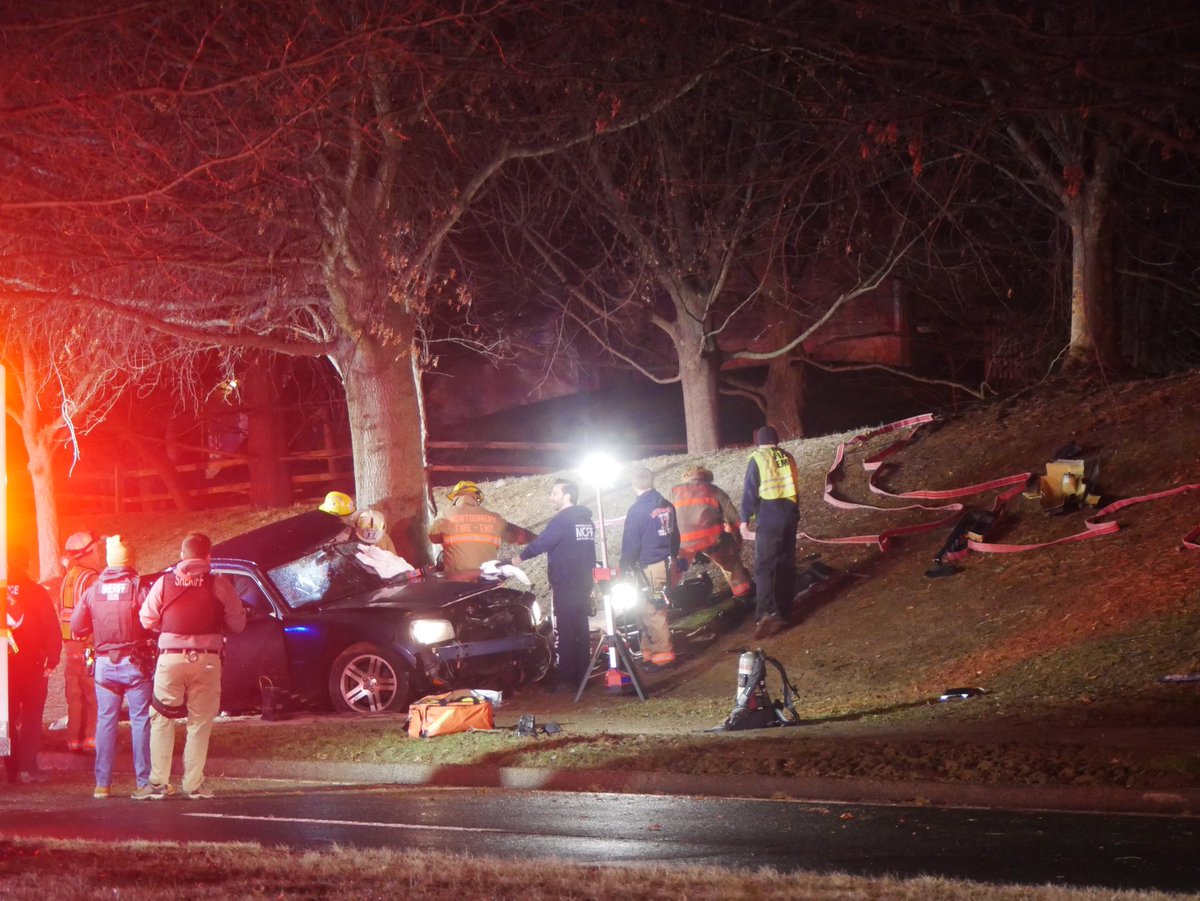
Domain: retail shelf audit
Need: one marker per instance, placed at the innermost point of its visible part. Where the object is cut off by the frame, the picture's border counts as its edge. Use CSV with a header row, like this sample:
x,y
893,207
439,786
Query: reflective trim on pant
x,y
727,555
108,706
199,682
81,696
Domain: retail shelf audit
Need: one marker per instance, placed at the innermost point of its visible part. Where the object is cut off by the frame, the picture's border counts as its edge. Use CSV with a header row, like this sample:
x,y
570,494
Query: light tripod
x,y
618,651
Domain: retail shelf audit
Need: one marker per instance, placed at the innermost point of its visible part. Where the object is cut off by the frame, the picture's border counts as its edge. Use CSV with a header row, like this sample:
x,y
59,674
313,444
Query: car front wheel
x,y
367,679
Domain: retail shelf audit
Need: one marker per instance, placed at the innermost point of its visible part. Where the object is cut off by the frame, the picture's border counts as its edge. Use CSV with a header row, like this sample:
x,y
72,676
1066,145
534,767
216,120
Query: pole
x,y
5,740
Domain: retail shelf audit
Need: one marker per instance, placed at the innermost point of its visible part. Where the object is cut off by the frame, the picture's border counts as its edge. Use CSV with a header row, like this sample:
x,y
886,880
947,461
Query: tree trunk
x,y
1094,335
786,375
784,390
698,373
387,433
45,505
270,483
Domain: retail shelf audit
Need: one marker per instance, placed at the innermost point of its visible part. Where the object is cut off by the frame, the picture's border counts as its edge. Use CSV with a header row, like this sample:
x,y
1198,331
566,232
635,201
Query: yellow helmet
x,y
337,503
465,487
369,526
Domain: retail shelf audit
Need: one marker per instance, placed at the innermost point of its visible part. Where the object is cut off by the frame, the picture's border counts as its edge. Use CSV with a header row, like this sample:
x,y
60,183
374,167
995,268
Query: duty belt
x,y
187,651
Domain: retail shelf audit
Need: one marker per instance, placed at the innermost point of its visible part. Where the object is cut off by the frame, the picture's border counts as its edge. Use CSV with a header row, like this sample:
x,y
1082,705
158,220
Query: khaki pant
x,y
198,682
81,698
656,635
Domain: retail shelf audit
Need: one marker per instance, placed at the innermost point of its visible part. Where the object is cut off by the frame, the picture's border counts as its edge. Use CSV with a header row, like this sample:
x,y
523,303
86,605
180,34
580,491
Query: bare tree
x,y
68,374
289,177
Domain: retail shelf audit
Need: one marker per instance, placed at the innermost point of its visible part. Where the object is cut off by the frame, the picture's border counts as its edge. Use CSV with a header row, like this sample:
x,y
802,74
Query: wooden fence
x,y
223,479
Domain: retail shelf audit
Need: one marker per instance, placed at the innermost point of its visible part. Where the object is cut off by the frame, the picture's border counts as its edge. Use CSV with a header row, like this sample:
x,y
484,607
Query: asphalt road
x,y
1110,850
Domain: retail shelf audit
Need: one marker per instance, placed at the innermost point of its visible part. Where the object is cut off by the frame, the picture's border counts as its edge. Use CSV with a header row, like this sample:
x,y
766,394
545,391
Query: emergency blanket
x,y
446,714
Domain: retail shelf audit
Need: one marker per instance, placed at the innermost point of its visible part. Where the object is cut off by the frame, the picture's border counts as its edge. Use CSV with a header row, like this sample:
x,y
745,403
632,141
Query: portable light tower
x,y
601,471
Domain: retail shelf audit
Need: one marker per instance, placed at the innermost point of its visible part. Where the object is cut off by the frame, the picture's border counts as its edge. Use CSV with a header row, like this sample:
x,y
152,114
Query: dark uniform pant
x,y
26,702
572,634
775,556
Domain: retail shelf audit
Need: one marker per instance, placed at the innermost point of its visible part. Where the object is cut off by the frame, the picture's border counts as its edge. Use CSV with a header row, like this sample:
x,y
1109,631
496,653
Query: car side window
x,y
254,599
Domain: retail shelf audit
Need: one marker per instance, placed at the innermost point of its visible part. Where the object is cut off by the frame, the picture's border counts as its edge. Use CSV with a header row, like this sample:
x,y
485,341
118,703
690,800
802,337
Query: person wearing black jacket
x,y
34,651
108,612
650,542
569,541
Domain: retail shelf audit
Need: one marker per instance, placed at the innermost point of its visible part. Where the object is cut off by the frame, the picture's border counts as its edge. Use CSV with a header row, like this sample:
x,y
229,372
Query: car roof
x,y
281,542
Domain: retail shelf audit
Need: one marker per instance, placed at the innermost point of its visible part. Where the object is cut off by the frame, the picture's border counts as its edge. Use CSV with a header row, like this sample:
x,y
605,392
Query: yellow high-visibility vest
x,y
776,474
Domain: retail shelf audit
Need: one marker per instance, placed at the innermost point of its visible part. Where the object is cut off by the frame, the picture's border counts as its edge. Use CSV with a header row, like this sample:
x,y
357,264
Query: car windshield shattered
x,y
327,574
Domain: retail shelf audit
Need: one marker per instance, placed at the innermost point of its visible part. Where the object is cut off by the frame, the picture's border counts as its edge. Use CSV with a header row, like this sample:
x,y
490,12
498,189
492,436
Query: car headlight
x,y
624,596
431,631
535,611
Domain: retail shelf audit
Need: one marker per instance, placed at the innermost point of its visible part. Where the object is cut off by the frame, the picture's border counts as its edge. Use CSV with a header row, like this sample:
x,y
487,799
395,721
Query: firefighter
x,y
84,561
709,525
339,504
470,534
769,500
108,612
650,542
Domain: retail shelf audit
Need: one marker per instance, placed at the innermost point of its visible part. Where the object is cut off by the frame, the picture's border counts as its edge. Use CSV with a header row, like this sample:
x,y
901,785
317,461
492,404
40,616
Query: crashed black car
x,y
324,630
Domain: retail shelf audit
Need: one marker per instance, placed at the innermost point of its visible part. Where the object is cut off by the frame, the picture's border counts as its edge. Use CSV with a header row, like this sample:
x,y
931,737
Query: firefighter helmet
x,y
465,487
697,474
369,526
337,503
79,544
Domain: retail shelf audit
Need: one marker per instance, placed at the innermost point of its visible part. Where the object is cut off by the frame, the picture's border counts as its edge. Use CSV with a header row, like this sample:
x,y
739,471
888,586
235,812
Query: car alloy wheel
x,y
367,679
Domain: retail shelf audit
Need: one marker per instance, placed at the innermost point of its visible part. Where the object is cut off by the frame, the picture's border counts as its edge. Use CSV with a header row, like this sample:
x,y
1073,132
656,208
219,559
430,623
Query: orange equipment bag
x,y
455,711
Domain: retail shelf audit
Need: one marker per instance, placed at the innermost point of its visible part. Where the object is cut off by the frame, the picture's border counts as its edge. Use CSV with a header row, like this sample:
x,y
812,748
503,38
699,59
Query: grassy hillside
x,y
1072,635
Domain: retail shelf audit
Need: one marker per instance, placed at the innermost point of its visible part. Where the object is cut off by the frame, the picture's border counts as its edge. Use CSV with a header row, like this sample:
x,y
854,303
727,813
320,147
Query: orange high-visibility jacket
x,y
704,512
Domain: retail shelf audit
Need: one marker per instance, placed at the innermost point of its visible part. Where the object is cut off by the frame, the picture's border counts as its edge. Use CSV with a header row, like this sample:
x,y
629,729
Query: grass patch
x,y
33,870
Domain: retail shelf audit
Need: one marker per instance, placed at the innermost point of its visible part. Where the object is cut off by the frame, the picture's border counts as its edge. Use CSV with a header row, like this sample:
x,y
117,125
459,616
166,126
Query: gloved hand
x,y
681,565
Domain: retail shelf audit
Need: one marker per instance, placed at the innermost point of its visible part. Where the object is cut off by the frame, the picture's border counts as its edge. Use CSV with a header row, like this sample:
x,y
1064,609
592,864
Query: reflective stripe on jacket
x,y
698,512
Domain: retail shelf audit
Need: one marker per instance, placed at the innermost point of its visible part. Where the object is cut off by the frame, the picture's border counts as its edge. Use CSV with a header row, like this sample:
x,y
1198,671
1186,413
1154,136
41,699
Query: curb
x,y
864,791
1060,798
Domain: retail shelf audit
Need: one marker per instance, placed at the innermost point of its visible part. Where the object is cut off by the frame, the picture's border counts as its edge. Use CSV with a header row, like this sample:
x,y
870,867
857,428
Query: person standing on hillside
x,y
192,608
108,612
650,542
35,647
709,525
470,534
569,541
84,559
769,500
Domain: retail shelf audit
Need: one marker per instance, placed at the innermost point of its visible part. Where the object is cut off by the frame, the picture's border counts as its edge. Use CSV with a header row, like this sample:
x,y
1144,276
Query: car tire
x,y
365,678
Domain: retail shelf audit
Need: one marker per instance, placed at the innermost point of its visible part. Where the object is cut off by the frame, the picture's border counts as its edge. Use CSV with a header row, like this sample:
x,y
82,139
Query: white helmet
x,y
369,526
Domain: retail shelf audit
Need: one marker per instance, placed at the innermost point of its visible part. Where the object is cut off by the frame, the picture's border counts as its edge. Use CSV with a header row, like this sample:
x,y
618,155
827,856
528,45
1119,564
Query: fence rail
x,y
223,480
